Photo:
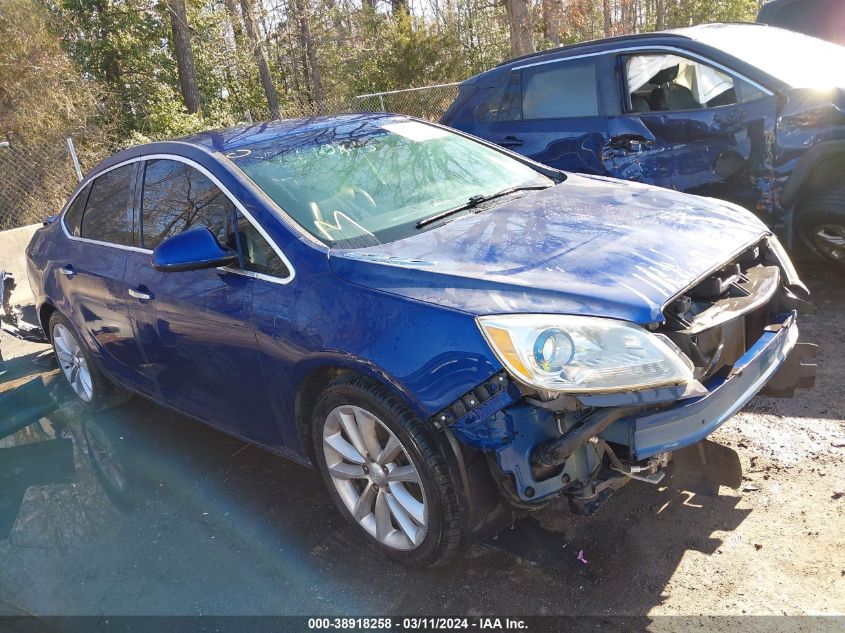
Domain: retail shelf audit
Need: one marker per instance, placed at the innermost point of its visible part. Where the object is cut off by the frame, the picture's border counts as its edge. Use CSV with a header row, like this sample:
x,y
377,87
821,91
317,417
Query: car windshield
x,y
362,183
796,59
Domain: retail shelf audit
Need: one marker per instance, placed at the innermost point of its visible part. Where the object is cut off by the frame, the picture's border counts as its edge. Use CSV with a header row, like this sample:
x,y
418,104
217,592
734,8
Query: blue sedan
x,y
450,332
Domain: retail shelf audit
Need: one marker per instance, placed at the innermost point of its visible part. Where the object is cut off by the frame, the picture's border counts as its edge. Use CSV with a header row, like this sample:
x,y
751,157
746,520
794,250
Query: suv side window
x,y
560,90
256,253
666,83
177,197
73,215
108,212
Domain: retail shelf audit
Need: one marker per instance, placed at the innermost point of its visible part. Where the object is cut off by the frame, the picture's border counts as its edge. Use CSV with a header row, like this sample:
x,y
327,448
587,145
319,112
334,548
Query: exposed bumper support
x,y
693,420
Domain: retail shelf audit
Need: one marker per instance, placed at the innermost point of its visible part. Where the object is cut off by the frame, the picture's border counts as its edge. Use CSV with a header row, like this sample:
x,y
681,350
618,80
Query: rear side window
x,y
176,198
73,215
560,90
108,213
258,255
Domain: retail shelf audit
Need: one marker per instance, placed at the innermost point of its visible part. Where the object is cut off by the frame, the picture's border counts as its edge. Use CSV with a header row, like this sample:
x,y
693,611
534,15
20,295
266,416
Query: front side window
x,y
108,212
560,90
361,182
667,83
177,197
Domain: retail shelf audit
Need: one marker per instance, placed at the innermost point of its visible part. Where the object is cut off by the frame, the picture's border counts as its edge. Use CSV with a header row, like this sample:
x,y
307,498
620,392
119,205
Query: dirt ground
x,y
223,528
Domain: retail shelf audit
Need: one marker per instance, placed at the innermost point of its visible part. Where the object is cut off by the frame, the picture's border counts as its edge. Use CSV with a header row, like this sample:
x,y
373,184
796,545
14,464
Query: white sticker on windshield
x,y
415,131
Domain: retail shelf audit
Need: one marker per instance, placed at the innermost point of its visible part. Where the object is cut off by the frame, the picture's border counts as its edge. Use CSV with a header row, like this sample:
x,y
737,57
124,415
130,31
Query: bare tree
x,y
660,22
235,21
260,59
608,18
551,21
310,66
521,27
184,54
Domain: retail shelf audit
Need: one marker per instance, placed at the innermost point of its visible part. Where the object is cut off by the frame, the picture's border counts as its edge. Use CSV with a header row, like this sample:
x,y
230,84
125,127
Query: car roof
x,y
689,33
227,139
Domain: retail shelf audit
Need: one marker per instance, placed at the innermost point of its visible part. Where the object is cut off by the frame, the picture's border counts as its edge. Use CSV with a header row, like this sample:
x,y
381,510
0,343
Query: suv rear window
x,y
557,90
560,90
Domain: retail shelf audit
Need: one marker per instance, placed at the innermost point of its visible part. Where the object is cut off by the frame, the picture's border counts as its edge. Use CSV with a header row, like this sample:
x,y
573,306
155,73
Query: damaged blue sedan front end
x,y
626,322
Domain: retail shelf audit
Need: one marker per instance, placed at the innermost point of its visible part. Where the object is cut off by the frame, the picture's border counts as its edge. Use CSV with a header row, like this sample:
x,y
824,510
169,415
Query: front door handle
x,y
68,271
631,142
143,295
510,141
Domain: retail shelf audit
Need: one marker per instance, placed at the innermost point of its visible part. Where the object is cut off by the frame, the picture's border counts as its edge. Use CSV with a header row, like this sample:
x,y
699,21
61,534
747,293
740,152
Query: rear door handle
x,y
143,295
68,271
510,141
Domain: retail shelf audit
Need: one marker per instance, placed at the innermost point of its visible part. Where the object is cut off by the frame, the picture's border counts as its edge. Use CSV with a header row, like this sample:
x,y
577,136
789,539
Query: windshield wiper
x,y
474,201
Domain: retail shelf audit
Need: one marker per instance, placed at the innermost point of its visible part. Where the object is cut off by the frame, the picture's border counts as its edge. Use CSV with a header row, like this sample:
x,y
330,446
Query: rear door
x,y
195,327
101,226
551,111
691,125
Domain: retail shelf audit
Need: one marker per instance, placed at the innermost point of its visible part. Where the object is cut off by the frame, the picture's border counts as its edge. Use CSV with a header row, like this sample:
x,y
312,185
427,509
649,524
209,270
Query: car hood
x,y
591,245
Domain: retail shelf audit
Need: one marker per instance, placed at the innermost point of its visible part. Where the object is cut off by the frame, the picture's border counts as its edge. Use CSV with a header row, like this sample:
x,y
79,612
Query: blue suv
x,y
743,112
451,333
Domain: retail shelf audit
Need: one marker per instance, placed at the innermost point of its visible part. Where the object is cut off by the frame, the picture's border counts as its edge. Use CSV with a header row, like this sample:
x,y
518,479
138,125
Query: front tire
x,y
89,385
385,472
821,225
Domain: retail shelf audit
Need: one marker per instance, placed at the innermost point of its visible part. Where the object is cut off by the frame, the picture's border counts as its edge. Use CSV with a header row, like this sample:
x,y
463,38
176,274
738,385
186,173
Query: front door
x,y
689,126
195,327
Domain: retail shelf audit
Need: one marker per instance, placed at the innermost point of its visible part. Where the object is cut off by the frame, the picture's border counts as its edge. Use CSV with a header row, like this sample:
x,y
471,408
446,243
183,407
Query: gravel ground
x,y
219,527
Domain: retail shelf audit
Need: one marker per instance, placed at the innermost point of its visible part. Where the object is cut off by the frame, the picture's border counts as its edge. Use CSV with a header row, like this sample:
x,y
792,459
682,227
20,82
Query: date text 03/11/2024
x,y
418,623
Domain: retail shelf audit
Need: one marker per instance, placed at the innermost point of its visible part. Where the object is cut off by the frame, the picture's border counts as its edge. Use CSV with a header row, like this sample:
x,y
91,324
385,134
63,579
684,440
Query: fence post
x,y
73,156
381,100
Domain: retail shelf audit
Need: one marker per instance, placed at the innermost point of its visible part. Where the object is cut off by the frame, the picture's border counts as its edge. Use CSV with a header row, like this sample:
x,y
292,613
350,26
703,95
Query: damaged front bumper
x,y
690,421
539,450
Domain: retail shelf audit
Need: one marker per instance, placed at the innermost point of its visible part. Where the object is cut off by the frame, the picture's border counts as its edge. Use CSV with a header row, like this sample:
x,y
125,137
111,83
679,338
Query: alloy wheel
x,y
73,363
104,454
375,477
830,240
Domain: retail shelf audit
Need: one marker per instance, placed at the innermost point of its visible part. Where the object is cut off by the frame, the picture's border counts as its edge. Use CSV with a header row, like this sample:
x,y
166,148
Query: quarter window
x,y
257,254
176,198
108,213
73,215
560,90
503,103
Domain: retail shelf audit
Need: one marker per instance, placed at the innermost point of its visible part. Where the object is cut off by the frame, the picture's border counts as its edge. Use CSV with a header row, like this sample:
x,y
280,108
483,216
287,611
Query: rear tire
x,y
387,476
91,388
821,225
108,447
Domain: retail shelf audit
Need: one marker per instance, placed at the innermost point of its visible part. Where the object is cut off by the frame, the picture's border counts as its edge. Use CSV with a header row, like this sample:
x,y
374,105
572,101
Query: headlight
x,y
575,354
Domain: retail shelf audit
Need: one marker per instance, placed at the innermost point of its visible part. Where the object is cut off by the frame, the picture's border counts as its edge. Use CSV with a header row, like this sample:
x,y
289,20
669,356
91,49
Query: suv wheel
x,y
86,381
821,225
385,472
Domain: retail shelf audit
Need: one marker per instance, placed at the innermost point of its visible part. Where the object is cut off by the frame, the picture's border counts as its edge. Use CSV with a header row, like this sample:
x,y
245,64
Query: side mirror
x,y
193,249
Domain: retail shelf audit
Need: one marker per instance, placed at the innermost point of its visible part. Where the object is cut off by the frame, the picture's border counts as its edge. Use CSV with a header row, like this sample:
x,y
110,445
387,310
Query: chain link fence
x,y
35,181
